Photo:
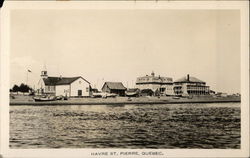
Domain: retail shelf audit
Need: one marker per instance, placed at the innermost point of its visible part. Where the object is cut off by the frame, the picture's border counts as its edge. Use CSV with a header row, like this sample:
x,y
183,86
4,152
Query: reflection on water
x,y
126,126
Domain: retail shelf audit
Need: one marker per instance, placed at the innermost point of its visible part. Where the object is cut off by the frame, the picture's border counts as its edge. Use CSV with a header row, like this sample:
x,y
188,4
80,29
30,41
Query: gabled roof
x,y
191,79
52,81
115,85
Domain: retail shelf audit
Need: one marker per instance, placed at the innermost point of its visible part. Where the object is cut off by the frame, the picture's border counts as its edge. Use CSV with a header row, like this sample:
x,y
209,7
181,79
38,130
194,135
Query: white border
x,y
4,108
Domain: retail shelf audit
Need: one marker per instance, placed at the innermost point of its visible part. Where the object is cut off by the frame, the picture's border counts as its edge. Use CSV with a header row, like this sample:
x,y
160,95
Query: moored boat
x,y
44,98
176,97
133,92
103,95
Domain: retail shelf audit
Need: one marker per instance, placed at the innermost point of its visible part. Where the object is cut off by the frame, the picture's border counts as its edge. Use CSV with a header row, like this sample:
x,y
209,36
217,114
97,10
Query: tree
x,y
24,88
15,88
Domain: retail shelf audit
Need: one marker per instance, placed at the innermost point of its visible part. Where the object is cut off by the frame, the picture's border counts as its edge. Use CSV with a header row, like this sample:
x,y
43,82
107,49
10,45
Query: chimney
x,y
187,77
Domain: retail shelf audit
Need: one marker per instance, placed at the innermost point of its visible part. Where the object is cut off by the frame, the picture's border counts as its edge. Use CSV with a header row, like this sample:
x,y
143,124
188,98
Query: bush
x,y
22,88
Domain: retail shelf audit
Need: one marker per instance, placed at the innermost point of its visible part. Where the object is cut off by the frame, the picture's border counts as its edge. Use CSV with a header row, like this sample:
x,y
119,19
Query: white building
x,y
66,86
189,85
163,84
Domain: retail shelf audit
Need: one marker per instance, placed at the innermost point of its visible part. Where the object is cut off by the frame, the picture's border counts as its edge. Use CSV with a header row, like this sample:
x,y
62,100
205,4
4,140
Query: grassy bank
x,y
27,100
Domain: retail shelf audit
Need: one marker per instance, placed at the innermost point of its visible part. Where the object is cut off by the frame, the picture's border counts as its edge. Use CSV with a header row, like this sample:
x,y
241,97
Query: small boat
x,y
133,92
176,97
44,98
61,97
112,95
103,95
98,95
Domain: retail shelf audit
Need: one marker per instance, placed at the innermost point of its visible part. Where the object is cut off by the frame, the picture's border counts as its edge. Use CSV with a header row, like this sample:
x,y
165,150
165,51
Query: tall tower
x,y
44,73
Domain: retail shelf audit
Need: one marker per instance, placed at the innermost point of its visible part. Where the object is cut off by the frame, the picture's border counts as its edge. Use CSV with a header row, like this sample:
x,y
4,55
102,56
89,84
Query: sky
x,y
121,45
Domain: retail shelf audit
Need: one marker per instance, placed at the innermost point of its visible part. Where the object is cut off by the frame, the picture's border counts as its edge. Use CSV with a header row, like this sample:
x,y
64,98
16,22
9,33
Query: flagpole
x,y
27,78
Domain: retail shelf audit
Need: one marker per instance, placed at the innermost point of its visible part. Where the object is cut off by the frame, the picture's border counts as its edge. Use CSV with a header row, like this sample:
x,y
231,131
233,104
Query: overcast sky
x,y
120,45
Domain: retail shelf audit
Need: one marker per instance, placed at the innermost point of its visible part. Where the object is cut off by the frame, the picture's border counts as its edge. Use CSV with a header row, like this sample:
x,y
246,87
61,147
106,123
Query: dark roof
x,y
147,91
115,85
191,79
51,81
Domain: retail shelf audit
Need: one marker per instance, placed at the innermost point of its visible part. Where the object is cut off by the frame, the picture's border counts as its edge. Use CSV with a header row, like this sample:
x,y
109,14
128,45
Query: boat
x,y
112,95
133,92
44,98
176,97
98,95
61,97
103,95
129,99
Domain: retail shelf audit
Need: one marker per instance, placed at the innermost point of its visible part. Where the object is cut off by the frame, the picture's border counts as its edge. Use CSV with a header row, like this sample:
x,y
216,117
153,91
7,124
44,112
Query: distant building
x,y
156,83
190,86
114,87
66,86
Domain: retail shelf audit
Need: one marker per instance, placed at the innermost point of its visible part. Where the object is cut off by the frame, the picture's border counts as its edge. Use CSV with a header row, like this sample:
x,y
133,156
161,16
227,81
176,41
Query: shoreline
x,y
124,100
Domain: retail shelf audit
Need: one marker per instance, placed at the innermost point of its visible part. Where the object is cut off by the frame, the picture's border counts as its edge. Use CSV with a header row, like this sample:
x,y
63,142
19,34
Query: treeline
x,y
21,88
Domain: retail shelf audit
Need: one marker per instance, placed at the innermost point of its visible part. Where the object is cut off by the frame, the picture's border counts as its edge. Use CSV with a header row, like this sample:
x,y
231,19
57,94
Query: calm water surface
x,y
126,126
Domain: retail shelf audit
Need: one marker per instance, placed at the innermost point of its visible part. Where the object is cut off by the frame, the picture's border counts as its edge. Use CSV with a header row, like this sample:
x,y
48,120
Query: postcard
x,y
124,79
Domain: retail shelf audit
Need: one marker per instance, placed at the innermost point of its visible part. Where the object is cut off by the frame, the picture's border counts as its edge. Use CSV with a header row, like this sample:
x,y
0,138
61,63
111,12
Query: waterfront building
x,y
188,85
114,87
164,85
66,86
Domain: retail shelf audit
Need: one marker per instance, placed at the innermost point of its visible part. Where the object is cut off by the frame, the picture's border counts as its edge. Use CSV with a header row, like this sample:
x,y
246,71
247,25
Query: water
x,y
206,126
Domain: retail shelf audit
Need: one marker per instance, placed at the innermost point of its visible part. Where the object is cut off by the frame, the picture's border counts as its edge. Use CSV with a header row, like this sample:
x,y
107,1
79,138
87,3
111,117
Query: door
x,y
79,92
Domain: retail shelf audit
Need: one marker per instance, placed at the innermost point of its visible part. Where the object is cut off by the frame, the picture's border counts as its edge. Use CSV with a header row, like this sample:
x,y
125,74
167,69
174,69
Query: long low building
x,y
163,85
188,85
65,86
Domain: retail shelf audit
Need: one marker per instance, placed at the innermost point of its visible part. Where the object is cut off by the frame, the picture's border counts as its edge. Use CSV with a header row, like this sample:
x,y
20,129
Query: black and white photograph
x,y
125,77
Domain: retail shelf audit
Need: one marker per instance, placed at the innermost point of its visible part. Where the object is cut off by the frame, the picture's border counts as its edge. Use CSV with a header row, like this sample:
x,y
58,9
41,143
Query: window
x,y
87,89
